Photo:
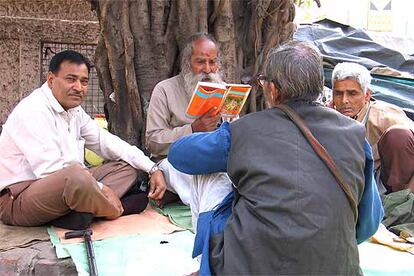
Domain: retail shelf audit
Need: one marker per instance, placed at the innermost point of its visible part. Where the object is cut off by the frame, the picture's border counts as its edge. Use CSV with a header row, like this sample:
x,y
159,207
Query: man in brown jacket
x,y
388,129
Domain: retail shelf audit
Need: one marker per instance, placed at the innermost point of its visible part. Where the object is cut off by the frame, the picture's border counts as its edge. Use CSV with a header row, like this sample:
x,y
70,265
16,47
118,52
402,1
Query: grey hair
x,y
188,50
296,70
352,71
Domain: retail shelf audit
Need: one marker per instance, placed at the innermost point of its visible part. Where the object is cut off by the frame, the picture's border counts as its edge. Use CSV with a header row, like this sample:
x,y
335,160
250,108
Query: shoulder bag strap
x,y
323,154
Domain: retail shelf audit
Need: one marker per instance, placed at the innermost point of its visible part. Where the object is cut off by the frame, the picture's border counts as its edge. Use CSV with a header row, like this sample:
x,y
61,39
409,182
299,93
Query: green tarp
x,y
134,255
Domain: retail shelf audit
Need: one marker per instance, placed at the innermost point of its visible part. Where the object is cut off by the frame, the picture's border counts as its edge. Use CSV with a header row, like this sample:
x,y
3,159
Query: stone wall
x,y
24,25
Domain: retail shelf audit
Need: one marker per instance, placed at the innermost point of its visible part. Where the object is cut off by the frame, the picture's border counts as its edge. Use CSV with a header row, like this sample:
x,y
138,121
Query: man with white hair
x,y
166,123
166,120
388,129
286,215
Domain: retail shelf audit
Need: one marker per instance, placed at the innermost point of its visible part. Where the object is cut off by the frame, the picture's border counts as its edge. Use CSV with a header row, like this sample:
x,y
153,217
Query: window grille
x,y
94,103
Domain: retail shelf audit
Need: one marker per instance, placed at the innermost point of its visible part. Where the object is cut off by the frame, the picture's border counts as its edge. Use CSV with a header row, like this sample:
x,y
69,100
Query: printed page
x,y
235,98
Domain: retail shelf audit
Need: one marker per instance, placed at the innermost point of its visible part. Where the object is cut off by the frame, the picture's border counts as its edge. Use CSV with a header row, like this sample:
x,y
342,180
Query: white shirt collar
x,y
54,102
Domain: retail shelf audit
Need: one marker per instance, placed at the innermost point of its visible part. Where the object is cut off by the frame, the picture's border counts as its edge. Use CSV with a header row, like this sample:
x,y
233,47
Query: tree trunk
x,y
140,43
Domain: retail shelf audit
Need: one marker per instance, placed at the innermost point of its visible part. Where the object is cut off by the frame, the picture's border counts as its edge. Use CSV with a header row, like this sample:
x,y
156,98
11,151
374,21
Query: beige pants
x,y
32,203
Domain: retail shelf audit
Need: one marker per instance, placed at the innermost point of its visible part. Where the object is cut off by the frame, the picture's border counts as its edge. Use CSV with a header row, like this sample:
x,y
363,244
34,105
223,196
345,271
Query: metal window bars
x,y
94,103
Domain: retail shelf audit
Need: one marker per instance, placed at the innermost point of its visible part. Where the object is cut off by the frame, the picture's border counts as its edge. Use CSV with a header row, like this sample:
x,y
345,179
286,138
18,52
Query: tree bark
x,y
141,41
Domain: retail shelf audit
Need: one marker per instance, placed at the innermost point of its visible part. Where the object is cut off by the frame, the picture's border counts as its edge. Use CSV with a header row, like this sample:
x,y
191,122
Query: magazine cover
x,y
229,99
205,96
236,96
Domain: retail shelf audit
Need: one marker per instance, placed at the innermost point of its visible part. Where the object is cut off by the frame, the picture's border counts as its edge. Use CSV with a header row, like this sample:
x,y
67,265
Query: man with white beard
x,y
166,120
166,123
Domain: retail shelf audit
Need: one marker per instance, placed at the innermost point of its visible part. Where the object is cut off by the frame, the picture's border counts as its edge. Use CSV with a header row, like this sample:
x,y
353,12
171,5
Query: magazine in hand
x,y
228,98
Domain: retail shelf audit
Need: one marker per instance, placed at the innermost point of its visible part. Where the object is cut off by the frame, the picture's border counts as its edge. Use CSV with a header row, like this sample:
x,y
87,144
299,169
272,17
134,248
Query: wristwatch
x,y
154,168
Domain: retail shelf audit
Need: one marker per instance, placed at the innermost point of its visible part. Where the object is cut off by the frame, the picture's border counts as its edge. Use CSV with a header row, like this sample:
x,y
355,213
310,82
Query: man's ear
x,y
272,93
276,96
50,78
368,95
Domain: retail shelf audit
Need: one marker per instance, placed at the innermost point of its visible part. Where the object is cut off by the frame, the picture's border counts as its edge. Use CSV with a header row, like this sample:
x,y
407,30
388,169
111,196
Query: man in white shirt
x,y
42,174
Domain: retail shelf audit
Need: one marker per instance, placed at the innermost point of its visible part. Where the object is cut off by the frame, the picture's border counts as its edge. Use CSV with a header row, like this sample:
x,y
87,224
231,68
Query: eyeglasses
x,y
261,79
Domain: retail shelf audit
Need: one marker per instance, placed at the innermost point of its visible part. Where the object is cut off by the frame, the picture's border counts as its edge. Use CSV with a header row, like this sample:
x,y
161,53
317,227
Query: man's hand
x,y
114,200
207,122
157,186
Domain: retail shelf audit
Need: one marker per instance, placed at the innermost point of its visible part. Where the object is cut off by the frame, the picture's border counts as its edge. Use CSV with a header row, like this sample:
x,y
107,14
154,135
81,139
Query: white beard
x,y
191,79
